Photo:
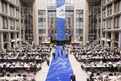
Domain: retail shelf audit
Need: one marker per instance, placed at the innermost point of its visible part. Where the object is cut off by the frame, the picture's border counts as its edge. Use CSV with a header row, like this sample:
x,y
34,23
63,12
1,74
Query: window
x,y
79,19
79,11
110,10
12,10
41,19
41,12
109,24
116,20
117,7
12,24
104,25
104,13
41,23
5,23
108,0
103,2
42,31
4,7
11,35
79,23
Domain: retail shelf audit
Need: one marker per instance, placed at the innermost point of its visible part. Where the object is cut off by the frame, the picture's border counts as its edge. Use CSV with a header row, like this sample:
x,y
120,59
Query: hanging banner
x,y
60,17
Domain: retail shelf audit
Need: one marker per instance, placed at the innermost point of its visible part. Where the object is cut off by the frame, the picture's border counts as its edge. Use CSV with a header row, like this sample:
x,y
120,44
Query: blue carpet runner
x,y
60,68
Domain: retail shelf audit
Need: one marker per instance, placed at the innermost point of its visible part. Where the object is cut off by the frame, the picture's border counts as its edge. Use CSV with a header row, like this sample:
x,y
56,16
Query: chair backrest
x,y
8,75
19,75
110,74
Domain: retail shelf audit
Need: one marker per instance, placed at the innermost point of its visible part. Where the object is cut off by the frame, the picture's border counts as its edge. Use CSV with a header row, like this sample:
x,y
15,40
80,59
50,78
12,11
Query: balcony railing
x,y
5,28
5,40
116,27
17,28
12,28
116,39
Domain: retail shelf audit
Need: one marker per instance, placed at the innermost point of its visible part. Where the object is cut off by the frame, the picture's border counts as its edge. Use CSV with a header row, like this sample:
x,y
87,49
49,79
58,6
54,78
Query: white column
x,y
105,38
120,21
15,12
0,6
106,12
15,25
120,5
16,39
1,22
105,24
119,44
2,44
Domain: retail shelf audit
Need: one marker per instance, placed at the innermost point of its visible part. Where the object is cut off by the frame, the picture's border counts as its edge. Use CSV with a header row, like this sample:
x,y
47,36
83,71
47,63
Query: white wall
x,y
82,5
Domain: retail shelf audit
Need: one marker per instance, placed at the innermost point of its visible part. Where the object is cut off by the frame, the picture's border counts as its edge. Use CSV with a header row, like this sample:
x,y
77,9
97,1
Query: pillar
x,y
1,22
9,41
119,40
15,34
15,26
112,39
2,43
101,32
15,12
0,6
106,36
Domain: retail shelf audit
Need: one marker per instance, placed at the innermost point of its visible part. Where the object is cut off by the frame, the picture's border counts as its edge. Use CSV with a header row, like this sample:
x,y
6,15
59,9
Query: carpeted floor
x,y
60,68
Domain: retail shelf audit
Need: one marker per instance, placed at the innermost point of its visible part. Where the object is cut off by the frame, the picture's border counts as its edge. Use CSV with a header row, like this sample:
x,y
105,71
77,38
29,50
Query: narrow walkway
x,y
42,74
76,66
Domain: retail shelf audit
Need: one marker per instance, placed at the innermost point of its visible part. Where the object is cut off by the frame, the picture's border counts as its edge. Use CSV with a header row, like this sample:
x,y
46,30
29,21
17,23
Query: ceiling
x,y
27,1
94,0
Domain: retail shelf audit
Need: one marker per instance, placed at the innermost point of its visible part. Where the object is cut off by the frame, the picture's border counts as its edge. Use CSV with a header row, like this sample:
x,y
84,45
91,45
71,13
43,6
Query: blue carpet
x,y
60,68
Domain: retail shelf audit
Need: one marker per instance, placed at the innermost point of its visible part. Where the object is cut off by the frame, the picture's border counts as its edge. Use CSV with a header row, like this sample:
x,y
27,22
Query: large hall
x,y
60,40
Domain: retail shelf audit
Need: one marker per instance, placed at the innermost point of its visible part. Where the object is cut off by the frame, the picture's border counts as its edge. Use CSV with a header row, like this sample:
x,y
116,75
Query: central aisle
x,y
60,68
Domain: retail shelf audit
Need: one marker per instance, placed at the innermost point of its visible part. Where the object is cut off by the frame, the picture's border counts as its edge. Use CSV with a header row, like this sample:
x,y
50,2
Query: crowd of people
x,y
97,59
27,59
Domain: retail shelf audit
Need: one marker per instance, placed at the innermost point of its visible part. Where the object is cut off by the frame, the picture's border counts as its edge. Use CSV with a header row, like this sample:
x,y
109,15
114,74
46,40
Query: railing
x,y
116,39
5,40
12,28
5,28
17,28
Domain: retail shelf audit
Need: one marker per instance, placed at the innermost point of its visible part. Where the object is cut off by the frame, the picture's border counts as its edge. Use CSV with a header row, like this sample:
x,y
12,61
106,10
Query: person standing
x,y
63,47
61,52
54,55
48,61
73,77
58,54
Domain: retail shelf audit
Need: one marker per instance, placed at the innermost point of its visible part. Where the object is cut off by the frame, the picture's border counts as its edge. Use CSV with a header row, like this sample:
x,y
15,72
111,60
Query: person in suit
x,y
54,55
58,54
48,61
63,47
61,52
73,77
